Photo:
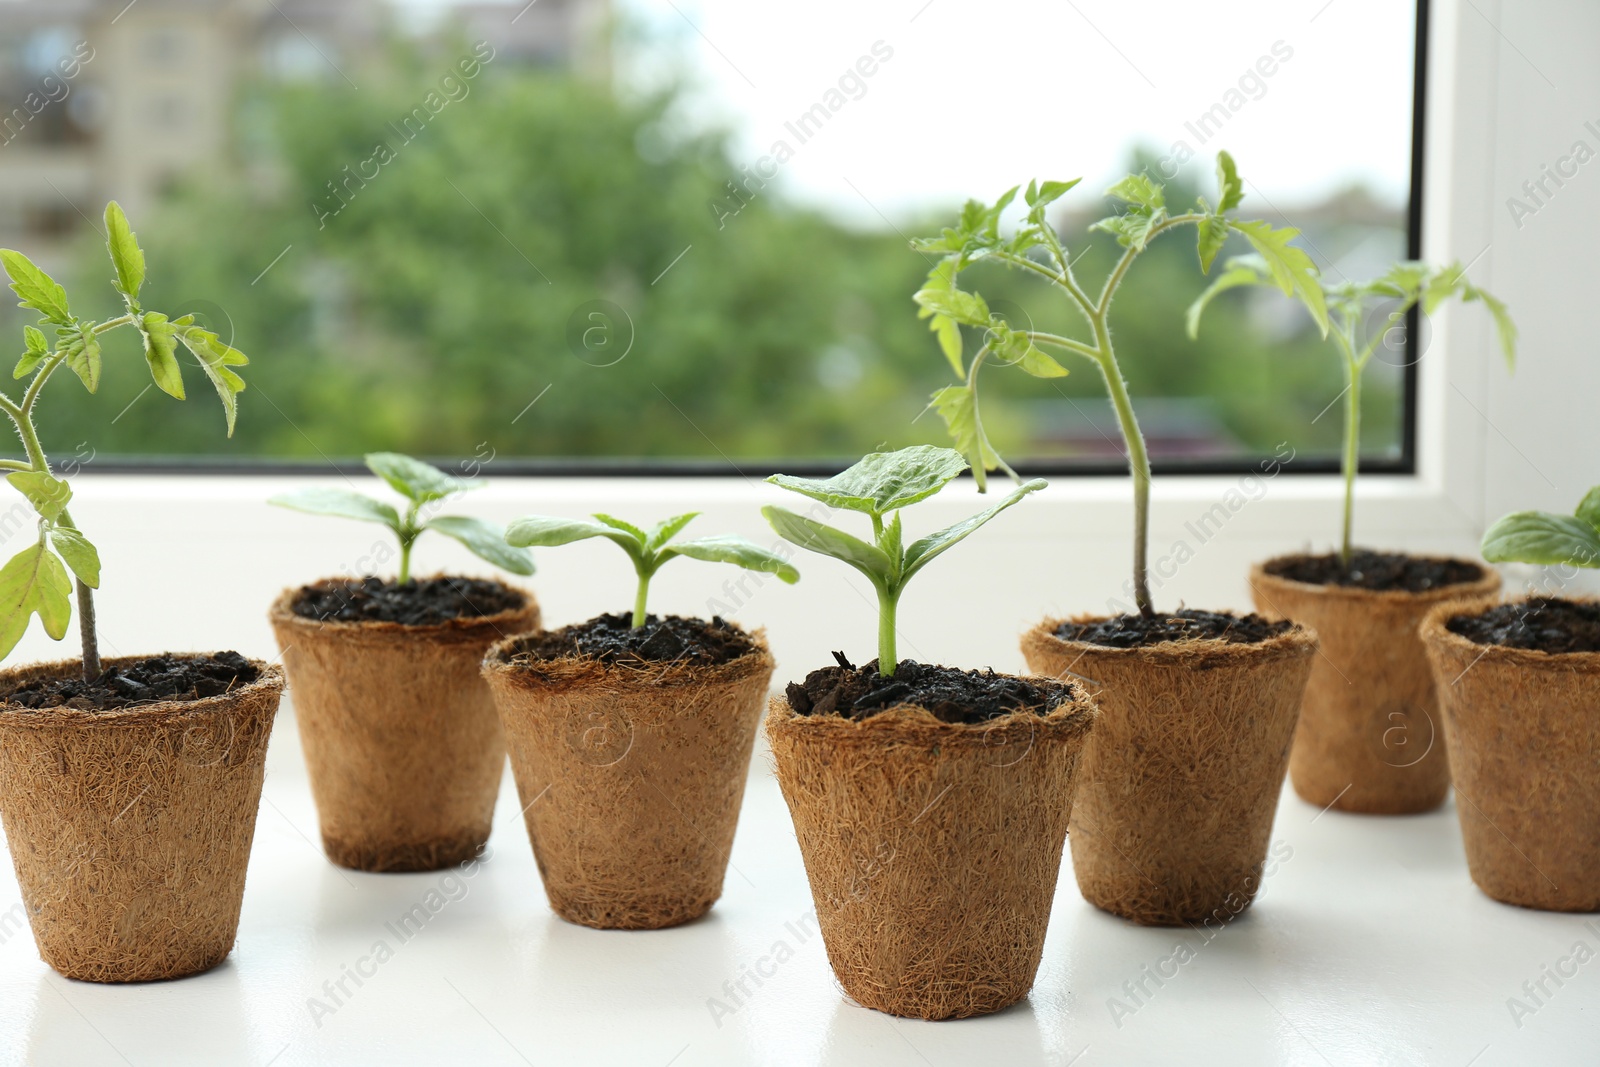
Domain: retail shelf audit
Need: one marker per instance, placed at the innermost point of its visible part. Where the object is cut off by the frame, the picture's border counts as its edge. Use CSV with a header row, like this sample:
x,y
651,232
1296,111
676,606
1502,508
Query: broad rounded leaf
x,y
1589,507
926,549
339,502
419,481
813,536
549,531
737,551
33,582
1543,538
484,540
81,556
883,481
126,255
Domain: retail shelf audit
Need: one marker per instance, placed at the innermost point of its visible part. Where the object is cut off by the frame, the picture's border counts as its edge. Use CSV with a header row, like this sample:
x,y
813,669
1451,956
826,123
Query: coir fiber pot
x,y
631,776
1181,777
399,731
130,829
932,848
1369,738
1523,733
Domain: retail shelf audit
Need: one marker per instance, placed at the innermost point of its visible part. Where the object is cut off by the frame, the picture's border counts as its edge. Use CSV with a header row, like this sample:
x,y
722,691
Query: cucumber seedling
x,y
880,485
1548,539
649,550
35,581
424,488
1350,304
1035,247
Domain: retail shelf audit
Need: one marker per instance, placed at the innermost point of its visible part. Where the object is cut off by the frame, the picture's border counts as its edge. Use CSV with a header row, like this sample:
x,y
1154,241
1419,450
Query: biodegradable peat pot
x,y
130,829
1180,780
1369,739
1523,733
631,774
399,732
932,848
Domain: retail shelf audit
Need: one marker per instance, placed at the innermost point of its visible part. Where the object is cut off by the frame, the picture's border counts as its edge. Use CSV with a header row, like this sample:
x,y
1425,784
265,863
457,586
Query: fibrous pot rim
x,y
1487,583
569,672
269,679
1299,639
282,614
1434,632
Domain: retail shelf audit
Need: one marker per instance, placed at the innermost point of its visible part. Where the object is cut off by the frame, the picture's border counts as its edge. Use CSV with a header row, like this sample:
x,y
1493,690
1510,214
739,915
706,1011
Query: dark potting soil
x,y
1185,624
1378,571
949,693
421,602
163,677
662,639
1543,624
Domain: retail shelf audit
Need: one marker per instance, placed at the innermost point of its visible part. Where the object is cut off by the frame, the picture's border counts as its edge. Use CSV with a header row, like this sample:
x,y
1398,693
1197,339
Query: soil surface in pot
x,y
422,602
1377,571
662,639
1542,624
949,693
163,677
1185,624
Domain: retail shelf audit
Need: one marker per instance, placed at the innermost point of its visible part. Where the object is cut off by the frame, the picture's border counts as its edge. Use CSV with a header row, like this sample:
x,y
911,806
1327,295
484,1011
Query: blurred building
x,y
107,98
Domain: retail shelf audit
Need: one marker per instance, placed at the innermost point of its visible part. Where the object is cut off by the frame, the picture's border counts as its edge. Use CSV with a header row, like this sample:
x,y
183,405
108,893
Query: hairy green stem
x,y
888,658
1350,461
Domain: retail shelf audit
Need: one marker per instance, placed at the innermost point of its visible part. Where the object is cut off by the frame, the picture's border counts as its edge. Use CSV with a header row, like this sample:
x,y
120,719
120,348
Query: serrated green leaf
x,y
1505,328
882,481
968,308
1542,538
958,407
418,481
484,540
340,503
126,256
1213,234
1230,190
1139,189
926,549
215,359
1290,267
666,530
33,582
737,551
36,351
1015,348
81,556
48,495
161,352
1041,193
35,289
82,350
1131,229
1242,270
813,536
949,335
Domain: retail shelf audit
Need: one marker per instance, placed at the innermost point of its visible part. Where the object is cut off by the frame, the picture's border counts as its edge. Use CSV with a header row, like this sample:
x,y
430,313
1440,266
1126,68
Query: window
x,y
687,241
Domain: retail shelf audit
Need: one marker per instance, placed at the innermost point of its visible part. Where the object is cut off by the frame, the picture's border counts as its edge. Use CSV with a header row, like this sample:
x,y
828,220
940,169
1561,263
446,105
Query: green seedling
x,y
424,487
650,549
1350,305
35,580
879,486
1037,248
1548,539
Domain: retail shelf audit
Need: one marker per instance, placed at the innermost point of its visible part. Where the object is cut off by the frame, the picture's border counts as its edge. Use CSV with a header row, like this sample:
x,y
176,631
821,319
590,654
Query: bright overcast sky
x,y
983,94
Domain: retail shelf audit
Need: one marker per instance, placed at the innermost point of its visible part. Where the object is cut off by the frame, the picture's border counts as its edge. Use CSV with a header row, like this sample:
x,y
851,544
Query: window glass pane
x,y
581,229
